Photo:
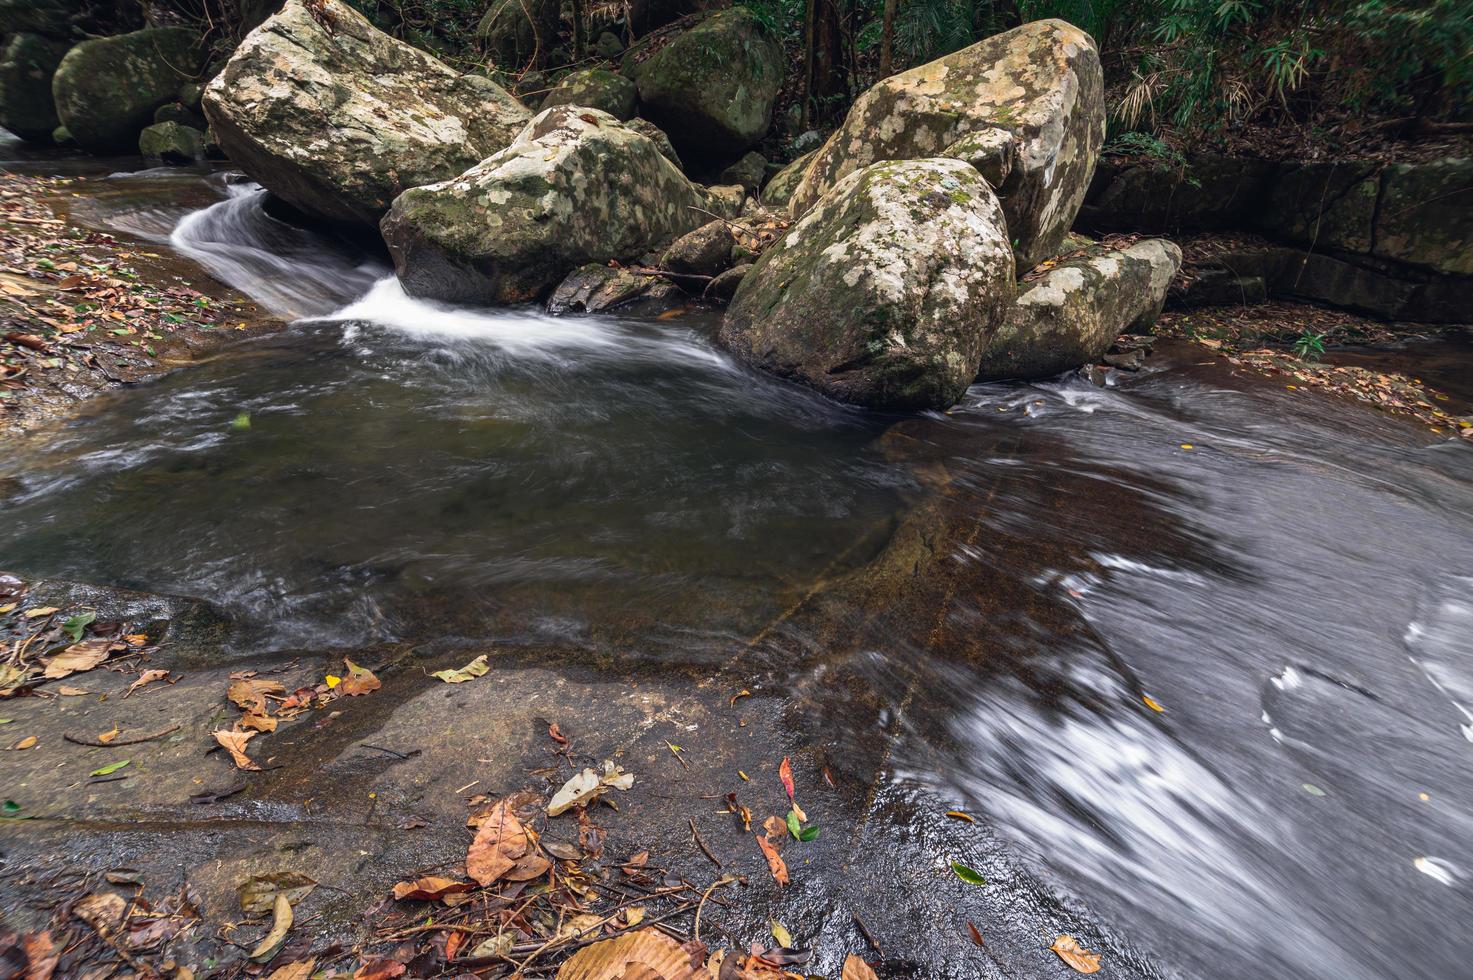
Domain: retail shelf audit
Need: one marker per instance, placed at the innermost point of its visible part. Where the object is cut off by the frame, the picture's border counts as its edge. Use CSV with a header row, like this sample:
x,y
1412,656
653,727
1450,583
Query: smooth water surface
x,y
1289,578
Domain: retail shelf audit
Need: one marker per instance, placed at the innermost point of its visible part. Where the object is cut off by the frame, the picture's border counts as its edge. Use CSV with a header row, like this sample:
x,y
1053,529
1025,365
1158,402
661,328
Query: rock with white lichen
x,y
886,292
1072,314
576,186
337,118
1040,84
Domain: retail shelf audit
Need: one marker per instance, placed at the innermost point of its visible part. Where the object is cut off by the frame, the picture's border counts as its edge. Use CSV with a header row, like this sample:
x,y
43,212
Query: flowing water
x,y
1289,578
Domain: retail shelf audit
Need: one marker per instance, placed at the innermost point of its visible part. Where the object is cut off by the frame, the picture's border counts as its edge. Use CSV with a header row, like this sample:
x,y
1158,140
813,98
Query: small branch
x,y
94,743
702,844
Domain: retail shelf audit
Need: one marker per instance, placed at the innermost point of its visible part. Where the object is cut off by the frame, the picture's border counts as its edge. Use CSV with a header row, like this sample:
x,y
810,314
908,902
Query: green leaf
x,y
470,671
967,874
809,833
74,626
110,768
242,421
9,808
794,827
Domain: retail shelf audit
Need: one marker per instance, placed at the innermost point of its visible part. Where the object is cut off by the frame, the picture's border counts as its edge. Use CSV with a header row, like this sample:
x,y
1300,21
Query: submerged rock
x,y
172,142
1040,82
576,186
1072,314
27,65
713,85
107,89
886,292
337,118
597,88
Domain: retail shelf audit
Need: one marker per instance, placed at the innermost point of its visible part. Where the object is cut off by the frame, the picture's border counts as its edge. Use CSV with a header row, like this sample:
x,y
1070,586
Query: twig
x,y
869,936
94,743
702,844
701,907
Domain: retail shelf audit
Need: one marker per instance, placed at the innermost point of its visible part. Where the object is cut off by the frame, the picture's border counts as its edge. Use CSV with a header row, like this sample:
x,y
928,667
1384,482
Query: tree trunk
x,y
810,16
887,39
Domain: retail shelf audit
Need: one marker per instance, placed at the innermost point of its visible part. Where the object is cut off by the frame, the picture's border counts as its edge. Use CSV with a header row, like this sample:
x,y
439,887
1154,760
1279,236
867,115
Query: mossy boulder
x,y
1041,82
107,89
1069,316
337,118
49,18
520,34
1426,215
779,189
886,292
598,288
172,142
597,88
178,112
27,64
710,86
576,186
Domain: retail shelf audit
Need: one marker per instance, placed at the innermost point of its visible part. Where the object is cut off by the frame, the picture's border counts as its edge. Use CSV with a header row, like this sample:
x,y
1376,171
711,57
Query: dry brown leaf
x,y
857,969
500,843
42,955
102,911
67,691
257,721
430,889
250,695
645,954
380,968
1079,959
281,924
28,742
144,679
774,861
357,680
108,736
235,743
77,658
300,970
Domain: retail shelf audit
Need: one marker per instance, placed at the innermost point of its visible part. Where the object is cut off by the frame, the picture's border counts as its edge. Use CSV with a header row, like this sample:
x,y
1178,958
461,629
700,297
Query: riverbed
x,y
1196,648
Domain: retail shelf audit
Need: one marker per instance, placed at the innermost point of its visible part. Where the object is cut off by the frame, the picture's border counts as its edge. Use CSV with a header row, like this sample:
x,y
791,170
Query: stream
x,y
1289,577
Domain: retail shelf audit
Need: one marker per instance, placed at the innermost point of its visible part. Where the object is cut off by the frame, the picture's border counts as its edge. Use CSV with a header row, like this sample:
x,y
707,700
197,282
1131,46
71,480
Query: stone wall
x,y
1389,240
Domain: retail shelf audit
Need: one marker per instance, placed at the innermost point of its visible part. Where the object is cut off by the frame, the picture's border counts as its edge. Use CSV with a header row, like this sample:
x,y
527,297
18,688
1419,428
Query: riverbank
x,y
85,311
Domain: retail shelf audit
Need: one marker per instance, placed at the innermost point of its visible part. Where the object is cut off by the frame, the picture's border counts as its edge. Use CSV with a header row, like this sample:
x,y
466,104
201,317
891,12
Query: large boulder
x,y
712,85
27,64
337,118
886,292
1426,215
519,34
51,18
1040,82
1071,314
597,88
576,186
107,89
172,142
779,190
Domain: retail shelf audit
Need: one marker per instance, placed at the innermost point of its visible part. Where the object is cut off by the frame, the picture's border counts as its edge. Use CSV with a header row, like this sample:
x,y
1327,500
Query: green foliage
x,y
1310,346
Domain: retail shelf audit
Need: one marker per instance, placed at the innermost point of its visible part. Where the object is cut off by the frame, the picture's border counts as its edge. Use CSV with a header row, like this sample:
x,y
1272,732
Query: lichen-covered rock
x,y
779,190
597,288
597,88
1041,82
337,118
712,86
886,292
107,89
654,133
1072,314
576,186
172,142
1426,215
520,33
748,171
727,200
991,151
703,252
27,64
1328,205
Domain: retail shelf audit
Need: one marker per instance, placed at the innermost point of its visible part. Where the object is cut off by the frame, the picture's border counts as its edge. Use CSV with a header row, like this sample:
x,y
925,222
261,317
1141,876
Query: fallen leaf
x,y
103,911
67,691
40,611
967,874
281,924
235,743
110,768
28,742
429,889
556,734
1151,703
144,679
785,771
469,672
77,658
500,843
357,680
42,955
976,934
780,933
258,892
774,861
108,736
250,695
958,815
645,954
634,915
1079,959
857,969
587,786
300,970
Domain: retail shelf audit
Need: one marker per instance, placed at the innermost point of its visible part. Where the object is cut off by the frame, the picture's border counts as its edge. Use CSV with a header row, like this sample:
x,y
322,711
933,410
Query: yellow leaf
x,y
1151,703
1079,959
780,933
106,737
333,681
958,815
40,611
28,742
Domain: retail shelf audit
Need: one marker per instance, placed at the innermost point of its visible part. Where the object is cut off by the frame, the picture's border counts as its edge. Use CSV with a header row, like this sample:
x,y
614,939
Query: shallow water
x,y
1295,590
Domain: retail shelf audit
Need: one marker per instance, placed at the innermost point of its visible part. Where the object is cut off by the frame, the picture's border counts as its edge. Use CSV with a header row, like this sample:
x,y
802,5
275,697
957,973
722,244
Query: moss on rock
x,y
27,65
106,90
597,88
